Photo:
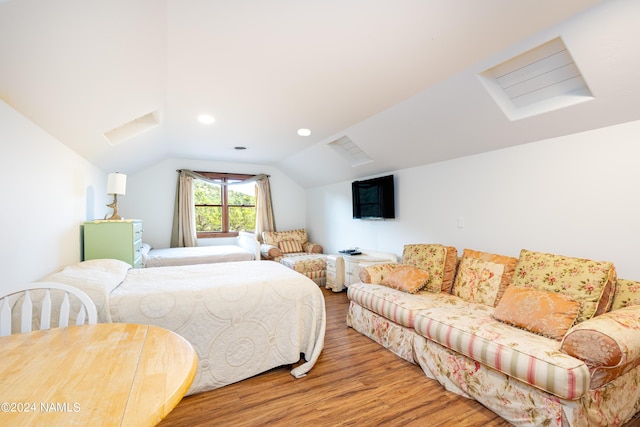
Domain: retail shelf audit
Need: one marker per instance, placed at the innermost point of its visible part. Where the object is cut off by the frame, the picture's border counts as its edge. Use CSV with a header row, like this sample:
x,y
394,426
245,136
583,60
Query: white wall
x,y
577,195
151,196
48,191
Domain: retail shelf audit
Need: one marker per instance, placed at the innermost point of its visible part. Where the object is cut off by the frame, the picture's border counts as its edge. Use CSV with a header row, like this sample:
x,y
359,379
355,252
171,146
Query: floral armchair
x,y
292,249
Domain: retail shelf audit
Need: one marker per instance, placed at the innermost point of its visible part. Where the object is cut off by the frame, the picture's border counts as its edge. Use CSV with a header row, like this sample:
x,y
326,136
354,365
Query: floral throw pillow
x,y
438,260
545,313
483,277
627,294
591,283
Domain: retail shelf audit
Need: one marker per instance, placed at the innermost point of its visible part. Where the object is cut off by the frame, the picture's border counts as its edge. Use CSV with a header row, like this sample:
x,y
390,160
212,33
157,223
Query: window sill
x,y
215,234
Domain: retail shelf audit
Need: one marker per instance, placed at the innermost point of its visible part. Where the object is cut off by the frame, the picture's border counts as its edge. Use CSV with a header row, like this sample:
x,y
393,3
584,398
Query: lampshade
x,y
117,183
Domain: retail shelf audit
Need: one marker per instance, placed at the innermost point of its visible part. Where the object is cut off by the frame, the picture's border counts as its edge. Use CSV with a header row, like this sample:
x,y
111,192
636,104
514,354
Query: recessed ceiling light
x,y
206,119
304,132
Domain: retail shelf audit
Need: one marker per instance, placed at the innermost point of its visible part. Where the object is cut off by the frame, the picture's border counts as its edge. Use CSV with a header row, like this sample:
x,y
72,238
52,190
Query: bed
x,y
245,249
242,318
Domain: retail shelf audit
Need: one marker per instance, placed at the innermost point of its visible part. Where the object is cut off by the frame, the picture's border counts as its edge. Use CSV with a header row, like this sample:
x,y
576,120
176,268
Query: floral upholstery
x,y
303,263
591,283
589,378
272,239
398,339
292,249
611,339
627,293
483,277
522,404
439,260
470,329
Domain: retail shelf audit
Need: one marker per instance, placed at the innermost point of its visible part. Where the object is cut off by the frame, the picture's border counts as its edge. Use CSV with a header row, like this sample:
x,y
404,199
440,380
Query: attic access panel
x,y
350,151
540,80
133,128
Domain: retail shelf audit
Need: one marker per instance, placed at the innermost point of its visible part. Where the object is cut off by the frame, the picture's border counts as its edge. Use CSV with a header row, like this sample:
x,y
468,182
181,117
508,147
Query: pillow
x,y
627,294
273,237
97,278
145,249
610,339
544,313
270,251
290,246
483,277
375,273
591,283
406,278
312,248
438,260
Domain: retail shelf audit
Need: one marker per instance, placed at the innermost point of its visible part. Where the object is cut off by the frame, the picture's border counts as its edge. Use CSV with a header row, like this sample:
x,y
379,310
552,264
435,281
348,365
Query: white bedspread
x,y
242,318
195,255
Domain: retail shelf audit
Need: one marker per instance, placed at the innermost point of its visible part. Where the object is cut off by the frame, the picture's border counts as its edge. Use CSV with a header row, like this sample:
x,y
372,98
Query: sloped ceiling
x,y
398,77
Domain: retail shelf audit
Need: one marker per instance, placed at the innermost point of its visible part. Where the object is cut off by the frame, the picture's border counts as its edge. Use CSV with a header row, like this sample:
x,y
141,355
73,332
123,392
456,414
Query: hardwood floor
x,y
356,382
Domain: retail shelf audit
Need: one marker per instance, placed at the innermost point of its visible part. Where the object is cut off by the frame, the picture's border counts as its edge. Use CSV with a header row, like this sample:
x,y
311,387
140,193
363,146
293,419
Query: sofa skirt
x,y
522,404
395,338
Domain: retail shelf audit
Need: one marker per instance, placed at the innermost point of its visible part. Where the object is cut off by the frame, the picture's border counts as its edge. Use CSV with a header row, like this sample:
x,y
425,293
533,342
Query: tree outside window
x,y
224,210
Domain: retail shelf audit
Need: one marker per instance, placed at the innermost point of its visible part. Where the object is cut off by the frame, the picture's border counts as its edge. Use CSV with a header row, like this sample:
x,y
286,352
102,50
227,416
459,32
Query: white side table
x,y
335,273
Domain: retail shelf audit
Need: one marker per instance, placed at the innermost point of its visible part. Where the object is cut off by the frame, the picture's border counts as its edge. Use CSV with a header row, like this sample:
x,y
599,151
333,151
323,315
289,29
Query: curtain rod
x,y
267,175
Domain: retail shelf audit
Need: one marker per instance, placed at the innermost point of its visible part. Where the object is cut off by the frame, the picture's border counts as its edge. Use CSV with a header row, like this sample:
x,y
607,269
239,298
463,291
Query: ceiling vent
x,y
543,79
349,151
133,128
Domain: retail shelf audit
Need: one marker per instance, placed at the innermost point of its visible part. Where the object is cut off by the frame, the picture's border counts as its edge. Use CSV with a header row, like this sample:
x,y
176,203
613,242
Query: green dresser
x,y
114,239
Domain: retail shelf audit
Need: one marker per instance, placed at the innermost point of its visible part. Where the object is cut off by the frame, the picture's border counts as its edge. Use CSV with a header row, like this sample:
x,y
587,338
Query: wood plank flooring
x,y
356,382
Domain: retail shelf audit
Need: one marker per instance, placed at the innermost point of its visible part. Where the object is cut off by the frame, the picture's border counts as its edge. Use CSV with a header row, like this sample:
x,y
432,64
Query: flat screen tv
x,y
373,198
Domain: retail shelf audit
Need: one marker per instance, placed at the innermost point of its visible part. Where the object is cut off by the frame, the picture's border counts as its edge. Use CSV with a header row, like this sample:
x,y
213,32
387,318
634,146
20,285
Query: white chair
x,y
86,314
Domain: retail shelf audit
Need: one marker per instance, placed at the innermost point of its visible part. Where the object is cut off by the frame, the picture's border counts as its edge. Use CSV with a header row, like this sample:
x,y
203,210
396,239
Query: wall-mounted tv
x,y
373,198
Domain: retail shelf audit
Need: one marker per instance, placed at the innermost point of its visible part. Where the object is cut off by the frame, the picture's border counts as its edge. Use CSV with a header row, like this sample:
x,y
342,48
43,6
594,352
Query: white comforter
x,y
195,255
242,318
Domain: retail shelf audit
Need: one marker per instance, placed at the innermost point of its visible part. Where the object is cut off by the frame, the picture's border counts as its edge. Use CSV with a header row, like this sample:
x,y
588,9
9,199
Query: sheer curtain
x,y
184,218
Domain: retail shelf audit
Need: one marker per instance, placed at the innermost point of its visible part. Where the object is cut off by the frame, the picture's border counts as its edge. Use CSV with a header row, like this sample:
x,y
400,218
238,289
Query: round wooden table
x,y
108,374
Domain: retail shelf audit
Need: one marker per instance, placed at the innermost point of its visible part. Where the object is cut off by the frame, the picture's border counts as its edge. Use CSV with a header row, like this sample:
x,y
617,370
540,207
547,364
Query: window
x,y
224,210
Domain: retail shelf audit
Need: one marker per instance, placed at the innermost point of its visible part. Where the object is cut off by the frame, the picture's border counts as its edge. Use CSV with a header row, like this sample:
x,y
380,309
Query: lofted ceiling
x,y
399,78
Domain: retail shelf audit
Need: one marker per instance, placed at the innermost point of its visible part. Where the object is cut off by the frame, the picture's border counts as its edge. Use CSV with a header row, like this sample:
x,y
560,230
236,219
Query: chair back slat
x,y
87,312
5,317
27,313
45,311
64,311
80,318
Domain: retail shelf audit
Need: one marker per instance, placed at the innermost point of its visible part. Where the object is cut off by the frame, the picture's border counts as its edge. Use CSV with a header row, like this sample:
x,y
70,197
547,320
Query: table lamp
x,y
116,184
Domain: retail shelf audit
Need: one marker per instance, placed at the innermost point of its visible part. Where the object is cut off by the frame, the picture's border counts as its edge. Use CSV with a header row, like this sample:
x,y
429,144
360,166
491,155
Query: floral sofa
x,y
292,249
543,339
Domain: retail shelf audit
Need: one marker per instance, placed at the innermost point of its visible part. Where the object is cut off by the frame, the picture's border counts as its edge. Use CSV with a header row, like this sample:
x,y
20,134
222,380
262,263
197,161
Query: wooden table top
x,y
109,374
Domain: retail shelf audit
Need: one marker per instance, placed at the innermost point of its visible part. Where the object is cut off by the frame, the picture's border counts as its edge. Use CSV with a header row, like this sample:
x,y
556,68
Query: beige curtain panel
x,y
184,233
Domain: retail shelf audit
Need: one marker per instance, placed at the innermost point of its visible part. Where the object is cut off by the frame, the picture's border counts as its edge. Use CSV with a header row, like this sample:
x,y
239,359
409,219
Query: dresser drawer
x,y
120,240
